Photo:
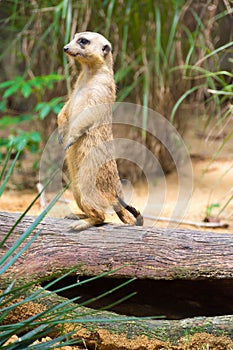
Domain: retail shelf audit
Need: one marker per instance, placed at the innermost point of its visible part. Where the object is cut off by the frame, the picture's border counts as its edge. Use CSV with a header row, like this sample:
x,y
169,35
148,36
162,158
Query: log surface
x,y
143,252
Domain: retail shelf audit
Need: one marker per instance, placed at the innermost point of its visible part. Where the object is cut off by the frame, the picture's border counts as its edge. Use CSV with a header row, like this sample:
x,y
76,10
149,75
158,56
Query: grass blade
x,y
9,172
214,52
225,205
181,99
32,226
28,208
17,255
108,292
8,156
109,16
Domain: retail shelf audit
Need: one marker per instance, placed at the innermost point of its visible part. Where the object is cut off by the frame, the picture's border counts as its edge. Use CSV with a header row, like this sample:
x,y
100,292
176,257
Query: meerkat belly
x,y
92,166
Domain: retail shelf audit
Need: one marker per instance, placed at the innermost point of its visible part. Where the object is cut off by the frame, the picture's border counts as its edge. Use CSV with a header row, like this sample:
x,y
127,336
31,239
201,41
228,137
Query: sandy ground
x,y
186,199
184,195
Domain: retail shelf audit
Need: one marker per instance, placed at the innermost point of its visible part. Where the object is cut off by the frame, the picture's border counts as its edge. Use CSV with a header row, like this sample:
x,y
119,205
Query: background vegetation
x,y
172,56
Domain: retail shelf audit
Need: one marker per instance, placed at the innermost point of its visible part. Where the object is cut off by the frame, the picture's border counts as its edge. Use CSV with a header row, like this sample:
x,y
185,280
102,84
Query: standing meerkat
x,y
85,127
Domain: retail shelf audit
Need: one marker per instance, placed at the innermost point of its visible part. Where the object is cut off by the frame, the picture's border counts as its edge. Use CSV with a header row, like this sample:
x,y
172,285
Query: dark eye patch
x,y
83,41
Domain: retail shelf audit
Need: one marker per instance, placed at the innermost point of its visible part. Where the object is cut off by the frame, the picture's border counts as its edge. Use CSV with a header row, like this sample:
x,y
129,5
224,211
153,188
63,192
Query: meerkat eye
x,y
83,41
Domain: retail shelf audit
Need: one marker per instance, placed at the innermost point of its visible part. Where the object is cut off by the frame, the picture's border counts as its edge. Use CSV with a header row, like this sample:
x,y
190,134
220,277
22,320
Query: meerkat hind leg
x,y
73,216
84,224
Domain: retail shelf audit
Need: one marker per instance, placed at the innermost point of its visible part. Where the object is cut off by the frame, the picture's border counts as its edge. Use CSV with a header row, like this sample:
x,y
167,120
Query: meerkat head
x,y
90,48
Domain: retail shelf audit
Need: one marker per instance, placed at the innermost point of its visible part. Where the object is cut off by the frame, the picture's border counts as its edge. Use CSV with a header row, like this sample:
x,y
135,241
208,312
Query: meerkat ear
x,y
106,49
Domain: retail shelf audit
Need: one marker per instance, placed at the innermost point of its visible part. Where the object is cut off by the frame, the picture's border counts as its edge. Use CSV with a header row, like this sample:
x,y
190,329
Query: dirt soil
x,y
103,340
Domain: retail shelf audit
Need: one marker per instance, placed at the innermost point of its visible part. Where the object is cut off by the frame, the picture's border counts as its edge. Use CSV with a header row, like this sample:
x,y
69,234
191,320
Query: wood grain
x,y
142,252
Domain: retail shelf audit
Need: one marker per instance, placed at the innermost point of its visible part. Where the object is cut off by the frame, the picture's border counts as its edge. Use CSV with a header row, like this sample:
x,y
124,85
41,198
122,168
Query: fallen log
x,y
145,253
141,252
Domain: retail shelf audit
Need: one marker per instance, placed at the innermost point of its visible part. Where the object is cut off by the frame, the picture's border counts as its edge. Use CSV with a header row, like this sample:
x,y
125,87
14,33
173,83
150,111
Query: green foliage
x,y
30,139
215,83
44,108
7,121
149,39
34,87
27,87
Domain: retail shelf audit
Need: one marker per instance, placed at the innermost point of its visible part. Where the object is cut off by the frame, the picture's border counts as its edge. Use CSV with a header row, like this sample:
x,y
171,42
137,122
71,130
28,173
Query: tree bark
x,y
141,252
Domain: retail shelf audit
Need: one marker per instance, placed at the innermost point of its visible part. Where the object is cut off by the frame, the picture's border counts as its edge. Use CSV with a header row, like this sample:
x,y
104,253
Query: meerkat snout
x,y
65,48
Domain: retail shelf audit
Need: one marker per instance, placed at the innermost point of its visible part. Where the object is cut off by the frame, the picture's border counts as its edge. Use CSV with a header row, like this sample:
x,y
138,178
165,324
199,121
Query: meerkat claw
x,y
60,138
69,144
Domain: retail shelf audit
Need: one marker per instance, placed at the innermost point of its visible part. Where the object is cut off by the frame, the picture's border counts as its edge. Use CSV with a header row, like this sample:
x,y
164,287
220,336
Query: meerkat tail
x,y
131,210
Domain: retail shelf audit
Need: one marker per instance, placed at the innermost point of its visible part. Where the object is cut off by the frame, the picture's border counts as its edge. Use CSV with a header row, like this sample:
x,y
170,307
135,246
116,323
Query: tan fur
x,y
85,125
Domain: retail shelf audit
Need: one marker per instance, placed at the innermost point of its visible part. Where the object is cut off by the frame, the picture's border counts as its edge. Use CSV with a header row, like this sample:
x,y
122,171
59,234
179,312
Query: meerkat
x,y
85,127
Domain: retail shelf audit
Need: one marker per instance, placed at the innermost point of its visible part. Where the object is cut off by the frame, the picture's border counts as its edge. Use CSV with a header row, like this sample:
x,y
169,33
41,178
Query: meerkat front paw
x,y
60,138
71,141
62,132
